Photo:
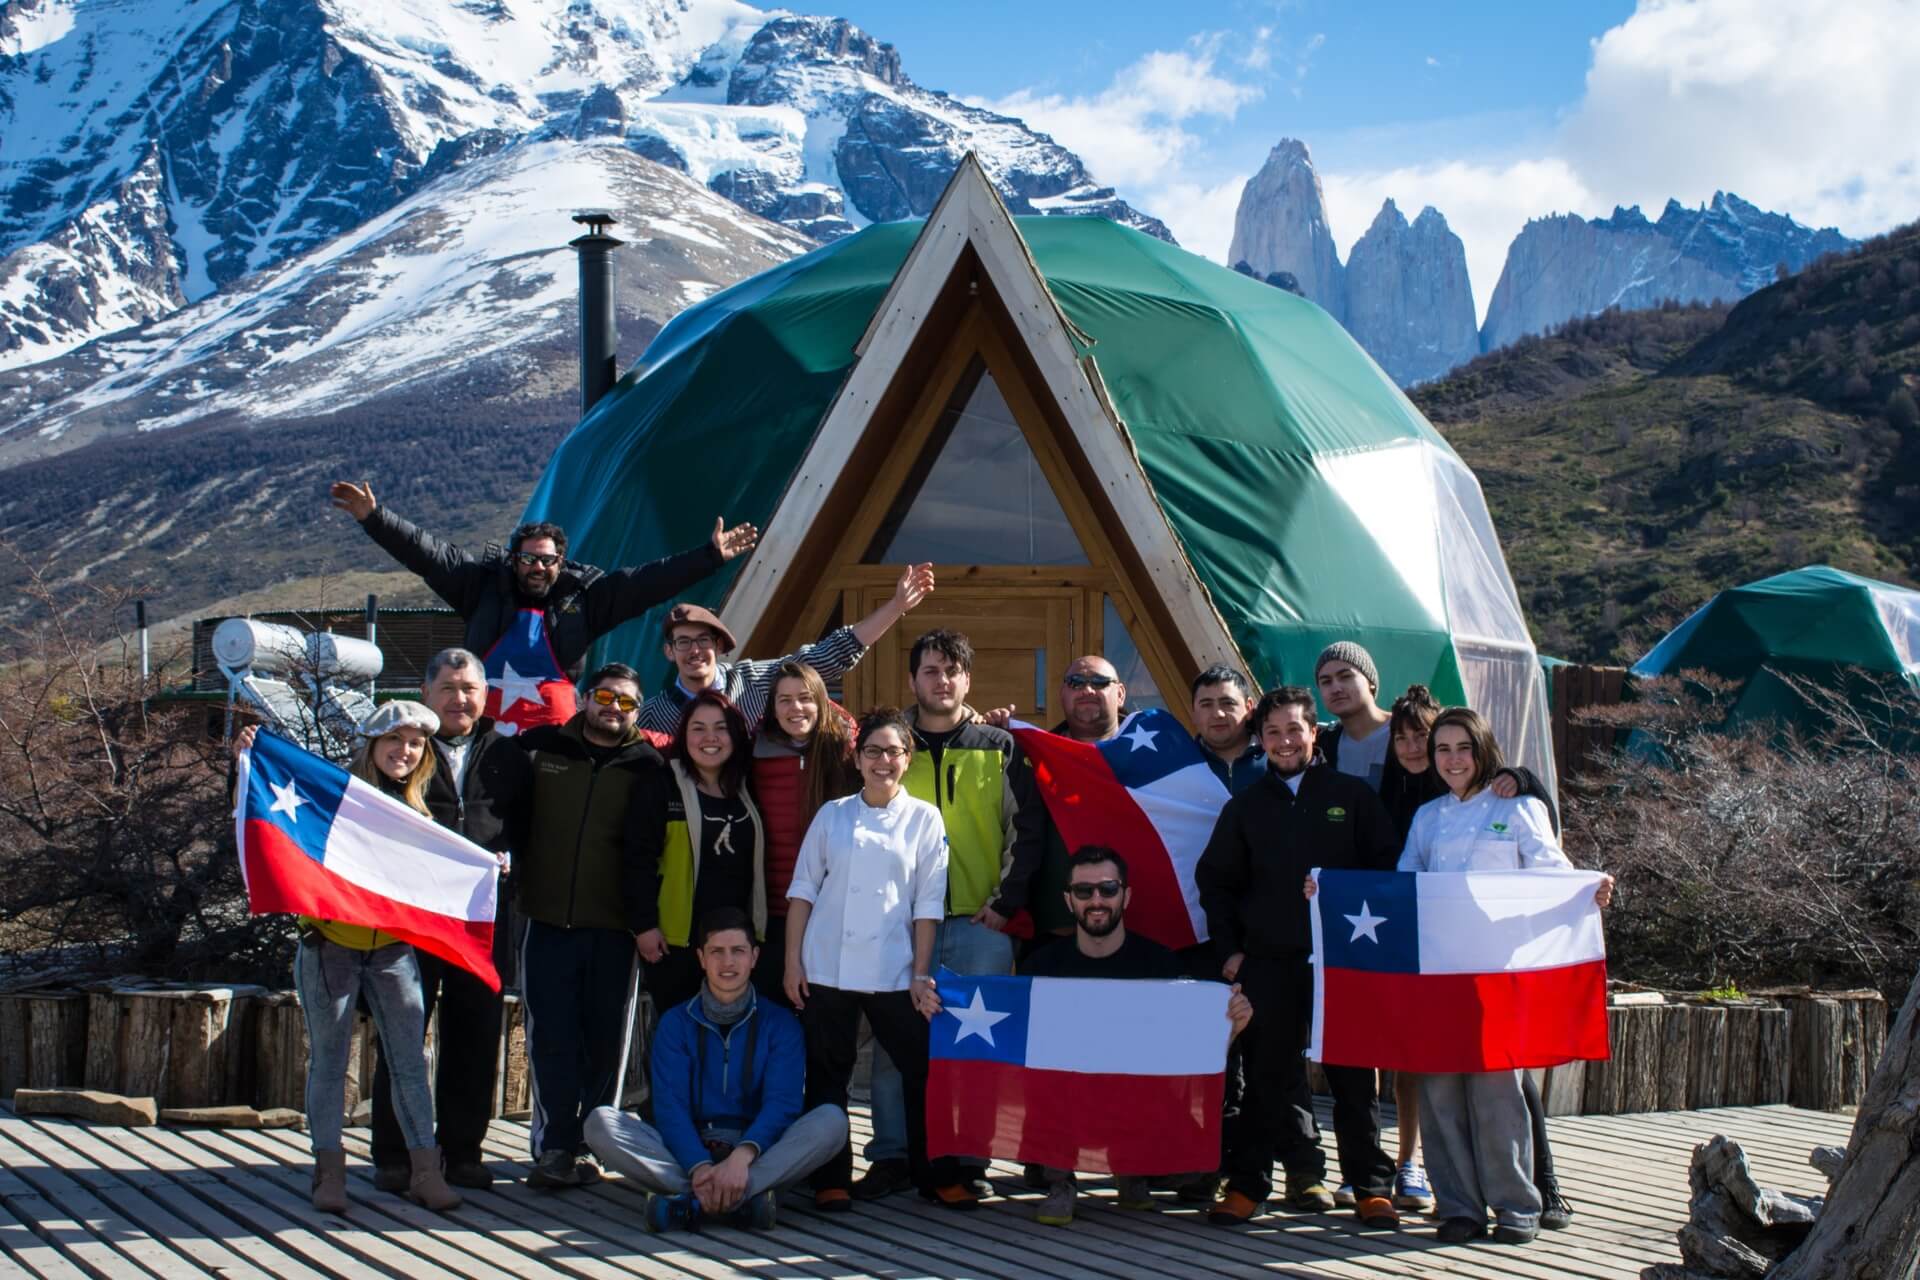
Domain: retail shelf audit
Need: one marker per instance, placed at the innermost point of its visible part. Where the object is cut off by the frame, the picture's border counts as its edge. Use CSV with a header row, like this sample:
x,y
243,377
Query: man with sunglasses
x,y
695,640
531,612
1096,896
582,918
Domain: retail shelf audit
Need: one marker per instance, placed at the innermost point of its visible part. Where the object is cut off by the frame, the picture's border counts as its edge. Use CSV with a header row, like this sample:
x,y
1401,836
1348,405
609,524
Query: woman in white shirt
x,y
869,889
1475,1126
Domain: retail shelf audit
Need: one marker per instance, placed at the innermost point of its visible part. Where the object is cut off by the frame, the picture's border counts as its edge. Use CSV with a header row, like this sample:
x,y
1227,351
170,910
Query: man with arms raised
x,y
531,612
964,768
1301,815
728,1075
695,639
478,788
1097,896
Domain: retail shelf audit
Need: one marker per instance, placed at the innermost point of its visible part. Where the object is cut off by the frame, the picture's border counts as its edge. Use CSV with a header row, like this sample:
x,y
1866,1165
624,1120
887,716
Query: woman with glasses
x,y
868,891
802,758
696,845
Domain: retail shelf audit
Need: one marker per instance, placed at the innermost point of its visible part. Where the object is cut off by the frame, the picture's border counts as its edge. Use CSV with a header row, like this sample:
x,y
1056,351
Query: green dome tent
x,y
1819,623
1306,496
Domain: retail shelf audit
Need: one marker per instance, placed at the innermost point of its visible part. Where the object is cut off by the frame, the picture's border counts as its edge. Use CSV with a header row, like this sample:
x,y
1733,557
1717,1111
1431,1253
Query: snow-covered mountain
x,y
153,152
467,283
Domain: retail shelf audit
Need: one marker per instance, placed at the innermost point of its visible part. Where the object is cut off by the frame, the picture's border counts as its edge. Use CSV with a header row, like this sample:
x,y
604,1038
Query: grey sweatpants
x,y
1478,1139
635,1148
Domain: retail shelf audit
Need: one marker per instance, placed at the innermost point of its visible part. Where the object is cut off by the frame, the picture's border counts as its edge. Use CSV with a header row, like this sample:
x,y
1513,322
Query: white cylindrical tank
x,y
272,648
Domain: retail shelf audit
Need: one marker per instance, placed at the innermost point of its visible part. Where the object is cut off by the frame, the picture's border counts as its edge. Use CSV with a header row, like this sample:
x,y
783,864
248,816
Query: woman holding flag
x,y
338,963
1479,1136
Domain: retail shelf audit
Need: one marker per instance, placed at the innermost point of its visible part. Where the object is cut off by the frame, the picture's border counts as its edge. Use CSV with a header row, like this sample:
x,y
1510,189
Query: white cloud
x,y
1132,133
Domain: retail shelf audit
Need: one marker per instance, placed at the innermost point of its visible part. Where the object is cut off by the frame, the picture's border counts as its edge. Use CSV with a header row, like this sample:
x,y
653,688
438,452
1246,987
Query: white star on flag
x,y
1365,923
1142,737
515,687
286,800
976,1019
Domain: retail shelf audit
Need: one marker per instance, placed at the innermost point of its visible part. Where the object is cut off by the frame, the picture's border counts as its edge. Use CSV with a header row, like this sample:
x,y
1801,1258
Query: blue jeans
x,y
329,979
964,947
574,985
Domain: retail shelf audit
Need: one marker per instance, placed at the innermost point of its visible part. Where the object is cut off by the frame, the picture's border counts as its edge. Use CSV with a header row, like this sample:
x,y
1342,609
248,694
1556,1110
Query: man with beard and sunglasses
x,y
532,613
1302,814
1096,895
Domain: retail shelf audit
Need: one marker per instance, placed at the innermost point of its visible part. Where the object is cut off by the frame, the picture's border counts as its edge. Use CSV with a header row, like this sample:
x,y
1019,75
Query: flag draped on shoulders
x,y
1095,1074
314,840
1461,971
1146,791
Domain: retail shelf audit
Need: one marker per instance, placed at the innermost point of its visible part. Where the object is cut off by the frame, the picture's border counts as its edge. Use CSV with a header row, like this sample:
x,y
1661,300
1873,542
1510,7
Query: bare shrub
x,y
116,845
1760,857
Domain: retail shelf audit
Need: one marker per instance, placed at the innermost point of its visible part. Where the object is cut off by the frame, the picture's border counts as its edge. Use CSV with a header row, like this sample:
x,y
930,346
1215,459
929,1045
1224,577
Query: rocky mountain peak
x,y
816,42
1409,301
1281,224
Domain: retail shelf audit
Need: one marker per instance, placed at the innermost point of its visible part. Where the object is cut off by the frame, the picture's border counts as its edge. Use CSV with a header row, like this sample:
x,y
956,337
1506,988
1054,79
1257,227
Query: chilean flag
x,y
1462,971
1095,1074
525,684
1147,792
316,841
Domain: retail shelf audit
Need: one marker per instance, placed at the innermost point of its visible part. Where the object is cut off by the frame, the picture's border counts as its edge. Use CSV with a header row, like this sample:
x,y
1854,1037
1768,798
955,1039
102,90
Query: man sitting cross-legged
x,y
1101,947
728,1073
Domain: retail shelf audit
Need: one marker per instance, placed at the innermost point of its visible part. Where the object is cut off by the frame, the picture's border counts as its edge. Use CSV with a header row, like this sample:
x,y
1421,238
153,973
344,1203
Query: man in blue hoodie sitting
x,y
728,1075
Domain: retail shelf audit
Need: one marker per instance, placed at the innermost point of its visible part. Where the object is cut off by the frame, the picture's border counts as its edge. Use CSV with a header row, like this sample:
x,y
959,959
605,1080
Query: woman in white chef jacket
x,y
869,889
1475,1126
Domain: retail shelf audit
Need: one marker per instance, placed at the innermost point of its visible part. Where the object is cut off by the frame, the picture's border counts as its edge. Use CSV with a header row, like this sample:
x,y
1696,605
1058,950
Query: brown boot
x,y
428,1185
330,1181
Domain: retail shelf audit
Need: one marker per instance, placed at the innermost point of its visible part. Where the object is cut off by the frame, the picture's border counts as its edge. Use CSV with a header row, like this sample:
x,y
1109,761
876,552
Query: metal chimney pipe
x,y
599,334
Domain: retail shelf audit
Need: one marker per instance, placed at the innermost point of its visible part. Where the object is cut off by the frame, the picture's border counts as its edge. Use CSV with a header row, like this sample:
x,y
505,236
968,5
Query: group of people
x,y
779,871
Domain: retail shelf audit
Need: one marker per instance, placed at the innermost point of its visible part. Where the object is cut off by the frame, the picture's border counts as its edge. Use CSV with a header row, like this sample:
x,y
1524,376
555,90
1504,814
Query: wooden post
x,y
1707,1059
280,1053
1815,1026
1773,1062
1674,1073
1564,1090
43,1040
516,1081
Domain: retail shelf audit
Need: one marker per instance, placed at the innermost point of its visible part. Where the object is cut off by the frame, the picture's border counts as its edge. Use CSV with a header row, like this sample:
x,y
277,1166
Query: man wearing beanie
x,y
1349,687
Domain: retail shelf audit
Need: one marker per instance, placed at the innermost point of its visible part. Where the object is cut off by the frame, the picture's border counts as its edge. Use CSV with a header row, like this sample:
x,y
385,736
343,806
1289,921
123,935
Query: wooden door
x,y
1022,636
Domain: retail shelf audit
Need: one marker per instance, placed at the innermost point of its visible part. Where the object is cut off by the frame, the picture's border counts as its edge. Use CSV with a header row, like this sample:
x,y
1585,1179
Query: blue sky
x,y
1492,112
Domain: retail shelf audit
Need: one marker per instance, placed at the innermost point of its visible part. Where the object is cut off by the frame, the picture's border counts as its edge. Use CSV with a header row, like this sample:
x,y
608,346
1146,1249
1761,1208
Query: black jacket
x,y
572,870
490,807
1266,841
583,604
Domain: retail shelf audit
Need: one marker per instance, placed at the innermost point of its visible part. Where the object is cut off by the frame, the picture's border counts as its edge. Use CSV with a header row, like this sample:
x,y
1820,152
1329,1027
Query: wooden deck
x,y
82,1200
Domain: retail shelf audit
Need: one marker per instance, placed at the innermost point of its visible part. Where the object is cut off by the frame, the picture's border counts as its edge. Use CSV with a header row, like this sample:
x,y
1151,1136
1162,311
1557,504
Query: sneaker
x,y
1134,1193
1233,1209
1309,1197
1057,1209
1556,1214
757,1214
392,1177
883,1178
1510,1233
1411,1190
1459,1230
1201,1188
558,1170
670,1213
1376,1212
470,1174
1343,1195
832,1200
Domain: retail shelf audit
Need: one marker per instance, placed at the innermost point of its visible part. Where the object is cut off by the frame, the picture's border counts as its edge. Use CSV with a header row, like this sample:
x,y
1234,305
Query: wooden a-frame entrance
x,y
970,381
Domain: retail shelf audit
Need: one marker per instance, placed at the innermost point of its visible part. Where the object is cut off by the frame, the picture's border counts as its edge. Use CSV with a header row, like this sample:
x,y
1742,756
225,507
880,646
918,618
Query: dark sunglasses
x,y
608,698
1105,888
529,559
1090,682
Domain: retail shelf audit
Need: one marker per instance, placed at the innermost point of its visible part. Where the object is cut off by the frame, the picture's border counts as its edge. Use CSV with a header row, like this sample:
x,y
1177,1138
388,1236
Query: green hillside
x,y
1635,463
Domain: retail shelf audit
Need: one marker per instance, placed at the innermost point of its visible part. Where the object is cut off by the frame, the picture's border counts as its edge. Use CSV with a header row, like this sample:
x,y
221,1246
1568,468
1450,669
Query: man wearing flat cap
x,y
696,639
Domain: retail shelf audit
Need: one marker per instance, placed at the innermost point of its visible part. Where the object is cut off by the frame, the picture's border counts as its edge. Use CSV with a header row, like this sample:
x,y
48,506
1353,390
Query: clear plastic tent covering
x,y
1819,623
1312,498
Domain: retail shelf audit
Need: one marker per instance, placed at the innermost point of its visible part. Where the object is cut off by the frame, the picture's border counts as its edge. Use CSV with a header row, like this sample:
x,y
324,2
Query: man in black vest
x,y
479,788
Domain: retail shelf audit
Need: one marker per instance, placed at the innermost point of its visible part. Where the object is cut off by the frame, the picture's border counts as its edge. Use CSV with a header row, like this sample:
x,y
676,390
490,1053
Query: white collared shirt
x,y
869,873
1484,833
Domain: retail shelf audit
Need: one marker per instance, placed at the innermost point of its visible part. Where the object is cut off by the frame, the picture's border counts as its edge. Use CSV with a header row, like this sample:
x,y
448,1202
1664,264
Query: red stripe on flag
x,y
1094,1122
281,877
1089,806
1444,1022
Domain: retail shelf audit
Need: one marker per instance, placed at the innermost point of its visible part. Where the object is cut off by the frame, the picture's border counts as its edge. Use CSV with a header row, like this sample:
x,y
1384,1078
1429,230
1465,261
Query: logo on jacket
x,y
1336,814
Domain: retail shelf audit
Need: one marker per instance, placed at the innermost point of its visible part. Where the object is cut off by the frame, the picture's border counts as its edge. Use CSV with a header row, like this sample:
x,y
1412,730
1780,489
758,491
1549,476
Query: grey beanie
x,y
400,714
1354,656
